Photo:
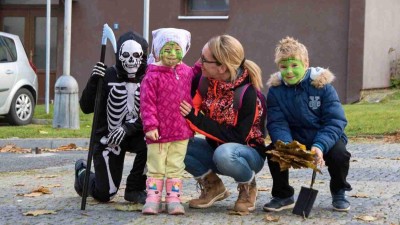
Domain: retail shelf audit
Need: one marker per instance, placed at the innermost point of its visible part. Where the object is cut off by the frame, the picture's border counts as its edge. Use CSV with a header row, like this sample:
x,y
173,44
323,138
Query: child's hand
x,y
185,108
319,157
153,135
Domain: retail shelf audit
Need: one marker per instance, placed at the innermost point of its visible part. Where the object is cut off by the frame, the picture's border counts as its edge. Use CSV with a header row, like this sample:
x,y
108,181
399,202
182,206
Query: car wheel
x,y
22,108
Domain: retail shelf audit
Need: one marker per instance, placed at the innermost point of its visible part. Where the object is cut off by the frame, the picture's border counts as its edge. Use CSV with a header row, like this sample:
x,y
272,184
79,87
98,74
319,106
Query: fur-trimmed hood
x,y
319,76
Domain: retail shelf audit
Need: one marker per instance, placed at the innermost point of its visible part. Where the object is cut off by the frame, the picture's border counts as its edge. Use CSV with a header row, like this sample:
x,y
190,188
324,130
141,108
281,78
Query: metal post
x,y
146,15
47,86
67,37
66,101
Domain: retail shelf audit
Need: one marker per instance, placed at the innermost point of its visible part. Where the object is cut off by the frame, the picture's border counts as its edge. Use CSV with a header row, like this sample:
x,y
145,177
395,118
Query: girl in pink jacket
x,y
166,84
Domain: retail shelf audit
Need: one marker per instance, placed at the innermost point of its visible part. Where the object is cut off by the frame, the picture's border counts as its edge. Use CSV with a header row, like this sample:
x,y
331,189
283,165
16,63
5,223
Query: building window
x,y
206,7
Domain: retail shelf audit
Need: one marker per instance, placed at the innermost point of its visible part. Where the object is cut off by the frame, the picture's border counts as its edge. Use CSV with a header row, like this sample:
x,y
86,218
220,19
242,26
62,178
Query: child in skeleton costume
x,y
304,106
166,84
119,127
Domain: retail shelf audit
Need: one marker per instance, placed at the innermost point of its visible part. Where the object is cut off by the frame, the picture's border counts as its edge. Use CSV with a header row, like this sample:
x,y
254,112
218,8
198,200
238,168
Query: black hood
x,y
139,39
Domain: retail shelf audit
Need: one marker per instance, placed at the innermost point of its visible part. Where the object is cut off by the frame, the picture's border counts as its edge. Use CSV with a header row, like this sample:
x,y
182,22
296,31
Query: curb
x,y
45,142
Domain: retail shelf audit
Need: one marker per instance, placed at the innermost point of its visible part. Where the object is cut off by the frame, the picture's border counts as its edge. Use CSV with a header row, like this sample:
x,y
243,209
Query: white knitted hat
x,y
164,35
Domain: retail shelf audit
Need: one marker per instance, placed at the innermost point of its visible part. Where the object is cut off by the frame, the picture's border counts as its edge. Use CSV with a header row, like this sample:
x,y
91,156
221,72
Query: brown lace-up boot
x,y
212,190
246,201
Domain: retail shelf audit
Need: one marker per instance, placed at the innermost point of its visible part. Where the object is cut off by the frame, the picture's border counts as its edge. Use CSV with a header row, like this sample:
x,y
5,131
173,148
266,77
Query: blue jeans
x,y
230,159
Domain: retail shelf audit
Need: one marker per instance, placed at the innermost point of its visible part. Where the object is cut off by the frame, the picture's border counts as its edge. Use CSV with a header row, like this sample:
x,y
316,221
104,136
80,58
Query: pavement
x,y
374,175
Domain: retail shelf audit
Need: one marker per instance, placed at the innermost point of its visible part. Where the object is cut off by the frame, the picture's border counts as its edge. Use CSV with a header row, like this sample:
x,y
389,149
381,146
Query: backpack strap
x,y
203,86
238,102
238,96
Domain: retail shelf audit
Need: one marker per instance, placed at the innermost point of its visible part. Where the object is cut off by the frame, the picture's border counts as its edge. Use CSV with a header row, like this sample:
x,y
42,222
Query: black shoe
x,y
135,196
277,204
80,166
339,201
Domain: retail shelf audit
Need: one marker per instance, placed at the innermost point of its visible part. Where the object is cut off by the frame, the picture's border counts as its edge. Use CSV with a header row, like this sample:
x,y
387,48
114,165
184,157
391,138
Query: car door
x,y
8,69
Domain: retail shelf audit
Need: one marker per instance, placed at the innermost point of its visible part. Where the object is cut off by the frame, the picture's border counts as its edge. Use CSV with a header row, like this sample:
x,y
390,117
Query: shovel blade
x,y
305,202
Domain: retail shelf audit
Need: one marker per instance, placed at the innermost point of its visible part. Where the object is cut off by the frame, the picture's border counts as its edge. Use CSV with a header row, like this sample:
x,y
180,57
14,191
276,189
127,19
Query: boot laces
x,y
244,194
201,185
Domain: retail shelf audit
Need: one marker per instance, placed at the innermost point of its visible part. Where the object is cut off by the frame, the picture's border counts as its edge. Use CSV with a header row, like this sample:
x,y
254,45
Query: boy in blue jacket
x,y
304,106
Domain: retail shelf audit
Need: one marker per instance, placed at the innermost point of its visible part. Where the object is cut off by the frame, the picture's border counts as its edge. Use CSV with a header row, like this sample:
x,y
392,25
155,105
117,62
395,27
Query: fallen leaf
x,y
380,157
38,192
365,218
43,190
67,147
270,218
264,189
354,160
359,195
52,185
128,207
265,177
19,185
92,201
33,194
185,199
47,176
186,175
39,212
14,149
43,132
232,212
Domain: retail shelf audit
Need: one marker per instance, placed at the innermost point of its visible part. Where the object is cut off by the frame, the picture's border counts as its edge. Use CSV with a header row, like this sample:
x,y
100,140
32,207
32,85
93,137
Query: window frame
x,y
9,49
185,9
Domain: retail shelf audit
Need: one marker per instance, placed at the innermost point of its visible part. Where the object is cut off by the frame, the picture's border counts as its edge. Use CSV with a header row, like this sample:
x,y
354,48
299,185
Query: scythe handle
x,y
93,132
103,53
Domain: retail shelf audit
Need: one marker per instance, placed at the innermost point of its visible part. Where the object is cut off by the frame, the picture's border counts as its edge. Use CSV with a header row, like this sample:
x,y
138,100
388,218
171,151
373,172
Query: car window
x,y
8,51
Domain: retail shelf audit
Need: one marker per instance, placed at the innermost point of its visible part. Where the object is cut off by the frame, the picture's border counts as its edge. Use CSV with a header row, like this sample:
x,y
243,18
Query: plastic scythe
x,y
108,34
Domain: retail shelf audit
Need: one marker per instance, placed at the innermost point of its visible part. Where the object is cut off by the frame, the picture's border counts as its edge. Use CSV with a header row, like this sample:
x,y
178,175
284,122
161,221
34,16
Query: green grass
x,y
381,118
363,119
47,130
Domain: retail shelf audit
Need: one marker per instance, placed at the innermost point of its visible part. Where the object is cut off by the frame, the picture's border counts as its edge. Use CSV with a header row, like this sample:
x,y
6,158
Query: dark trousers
x,y
337,160
99,183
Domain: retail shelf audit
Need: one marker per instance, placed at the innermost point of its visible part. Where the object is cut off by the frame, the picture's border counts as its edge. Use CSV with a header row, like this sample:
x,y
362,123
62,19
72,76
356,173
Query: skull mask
x,y
130,55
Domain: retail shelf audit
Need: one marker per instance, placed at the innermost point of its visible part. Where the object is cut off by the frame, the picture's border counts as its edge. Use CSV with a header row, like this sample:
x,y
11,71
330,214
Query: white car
x,y
18,81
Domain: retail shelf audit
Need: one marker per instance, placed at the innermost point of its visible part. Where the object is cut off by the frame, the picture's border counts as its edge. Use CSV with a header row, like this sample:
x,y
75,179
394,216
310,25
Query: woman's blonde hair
x,y
288,47
228,51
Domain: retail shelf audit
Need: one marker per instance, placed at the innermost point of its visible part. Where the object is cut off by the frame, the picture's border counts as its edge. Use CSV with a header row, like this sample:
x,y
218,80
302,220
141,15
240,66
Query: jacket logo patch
x,y
314,102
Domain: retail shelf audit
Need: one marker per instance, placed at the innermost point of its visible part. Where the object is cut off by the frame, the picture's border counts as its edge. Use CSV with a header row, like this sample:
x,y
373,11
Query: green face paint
x,y
292,70
171,54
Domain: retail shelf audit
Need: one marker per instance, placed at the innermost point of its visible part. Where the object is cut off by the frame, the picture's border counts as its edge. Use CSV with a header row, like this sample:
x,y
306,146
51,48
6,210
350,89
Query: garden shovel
x,y
306,199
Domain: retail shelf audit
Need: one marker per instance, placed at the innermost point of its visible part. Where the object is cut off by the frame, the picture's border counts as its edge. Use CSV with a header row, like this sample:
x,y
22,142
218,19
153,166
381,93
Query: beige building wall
x,y
382,32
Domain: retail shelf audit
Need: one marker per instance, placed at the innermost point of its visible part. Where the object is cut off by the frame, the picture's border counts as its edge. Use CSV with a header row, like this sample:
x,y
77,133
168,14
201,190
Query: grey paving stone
x,y
374,172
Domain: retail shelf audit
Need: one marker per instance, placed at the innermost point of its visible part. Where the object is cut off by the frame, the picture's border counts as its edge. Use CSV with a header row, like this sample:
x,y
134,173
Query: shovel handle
x,y
314,174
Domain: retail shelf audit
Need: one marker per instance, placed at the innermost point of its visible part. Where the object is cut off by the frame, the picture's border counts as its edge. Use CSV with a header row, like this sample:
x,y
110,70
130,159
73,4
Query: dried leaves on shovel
x,y
293,155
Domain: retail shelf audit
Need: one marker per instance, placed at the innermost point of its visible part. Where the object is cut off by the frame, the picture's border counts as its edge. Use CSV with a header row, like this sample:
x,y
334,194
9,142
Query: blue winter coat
x,y
309,112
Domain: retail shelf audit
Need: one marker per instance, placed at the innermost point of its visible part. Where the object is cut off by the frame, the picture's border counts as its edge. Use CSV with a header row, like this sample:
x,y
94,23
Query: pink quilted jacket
x,y
161,92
